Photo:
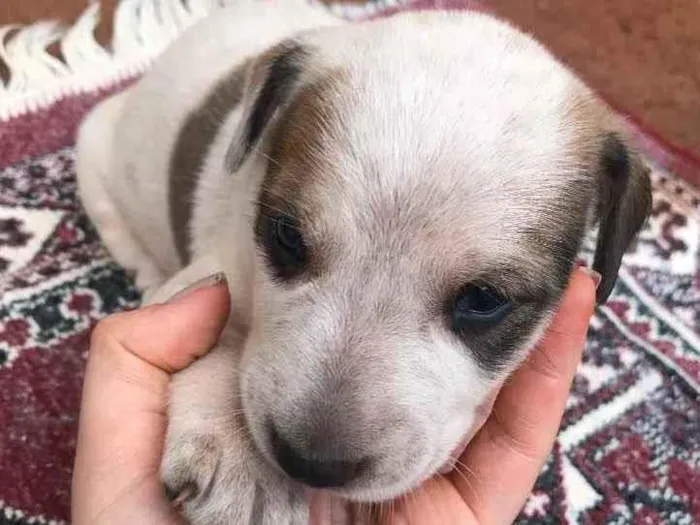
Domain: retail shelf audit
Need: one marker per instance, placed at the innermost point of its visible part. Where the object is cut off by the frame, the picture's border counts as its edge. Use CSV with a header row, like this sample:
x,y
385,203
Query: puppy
x,y
396,205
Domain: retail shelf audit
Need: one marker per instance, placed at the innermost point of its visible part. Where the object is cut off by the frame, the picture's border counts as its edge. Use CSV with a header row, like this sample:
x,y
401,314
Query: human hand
x,y
499,467
123,416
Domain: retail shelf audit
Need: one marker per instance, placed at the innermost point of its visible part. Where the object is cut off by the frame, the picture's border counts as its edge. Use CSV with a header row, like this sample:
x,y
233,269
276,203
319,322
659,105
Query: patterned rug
x,y
629,447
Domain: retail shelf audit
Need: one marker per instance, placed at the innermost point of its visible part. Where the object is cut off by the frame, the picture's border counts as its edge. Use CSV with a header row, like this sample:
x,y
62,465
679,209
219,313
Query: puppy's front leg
x,y
209,462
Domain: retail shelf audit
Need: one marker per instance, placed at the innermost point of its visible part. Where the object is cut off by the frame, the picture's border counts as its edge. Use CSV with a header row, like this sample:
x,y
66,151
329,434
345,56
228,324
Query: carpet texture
x,y
629,447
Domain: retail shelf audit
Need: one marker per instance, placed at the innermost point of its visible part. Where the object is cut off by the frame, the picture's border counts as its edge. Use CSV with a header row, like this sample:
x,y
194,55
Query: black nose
x,y
318,473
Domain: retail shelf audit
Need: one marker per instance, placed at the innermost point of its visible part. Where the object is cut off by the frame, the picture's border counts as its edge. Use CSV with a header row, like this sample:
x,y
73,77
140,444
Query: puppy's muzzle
x,y
315,467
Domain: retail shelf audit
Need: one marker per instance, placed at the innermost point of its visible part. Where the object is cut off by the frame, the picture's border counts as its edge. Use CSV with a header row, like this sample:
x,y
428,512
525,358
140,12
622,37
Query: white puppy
x,y
396,205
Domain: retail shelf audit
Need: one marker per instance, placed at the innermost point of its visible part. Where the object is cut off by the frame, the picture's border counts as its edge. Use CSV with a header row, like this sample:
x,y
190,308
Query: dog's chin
x,y
373,490
377,492
382,494
388,487
442,462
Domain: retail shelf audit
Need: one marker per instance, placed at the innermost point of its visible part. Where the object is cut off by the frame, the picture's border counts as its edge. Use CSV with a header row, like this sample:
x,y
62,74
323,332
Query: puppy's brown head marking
x,y
272,80
295,145
263,85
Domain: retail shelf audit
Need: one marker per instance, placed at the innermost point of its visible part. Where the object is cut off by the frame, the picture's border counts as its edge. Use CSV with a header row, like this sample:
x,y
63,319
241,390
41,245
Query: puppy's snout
x,y
313,468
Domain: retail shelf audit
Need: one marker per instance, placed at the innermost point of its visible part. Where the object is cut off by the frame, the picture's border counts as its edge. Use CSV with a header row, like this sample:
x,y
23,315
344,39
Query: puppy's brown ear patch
x,y
272,80
624,203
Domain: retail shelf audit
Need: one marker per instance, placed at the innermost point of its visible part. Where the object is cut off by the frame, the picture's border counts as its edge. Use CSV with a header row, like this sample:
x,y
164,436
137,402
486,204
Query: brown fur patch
x,y
192,144
274,77
295,151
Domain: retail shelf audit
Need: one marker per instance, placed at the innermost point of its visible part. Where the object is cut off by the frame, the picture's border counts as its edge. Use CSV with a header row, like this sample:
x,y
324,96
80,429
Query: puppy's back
x,y
157,107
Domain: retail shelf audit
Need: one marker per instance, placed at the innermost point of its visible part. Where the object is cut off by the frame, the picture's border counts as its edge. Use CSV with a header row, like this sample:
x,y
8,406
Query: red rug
x,y
629,446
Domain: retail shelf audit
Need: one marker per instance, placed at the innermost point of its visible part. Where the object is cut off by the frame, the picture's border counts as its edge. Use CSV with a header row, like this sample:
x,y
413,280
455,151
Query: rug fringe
x,y
13,514
141,30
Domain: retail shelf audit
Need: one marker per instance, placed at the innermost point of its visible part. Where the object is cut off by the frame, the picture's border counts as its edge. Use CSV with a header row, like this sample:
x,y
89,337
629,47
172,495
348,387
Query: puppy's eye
x,y
289,238
478,306
285,246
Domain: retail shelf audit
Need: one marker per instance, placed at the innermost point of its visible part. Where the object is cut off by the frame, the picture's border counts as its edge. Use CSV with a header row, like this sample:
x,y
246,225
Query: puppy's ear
x,y
623,206
271,81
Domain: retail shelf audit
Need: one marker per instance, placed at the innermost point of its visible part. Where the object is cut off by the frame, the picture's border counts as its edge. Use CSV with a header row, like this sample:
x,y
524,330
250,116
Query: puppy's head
x,y
428,183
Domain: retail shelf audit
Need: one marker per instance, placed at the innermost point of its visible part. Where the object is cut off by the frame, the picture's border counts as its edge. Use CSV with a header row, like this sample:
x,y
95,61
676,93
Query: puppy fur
x,y
416,154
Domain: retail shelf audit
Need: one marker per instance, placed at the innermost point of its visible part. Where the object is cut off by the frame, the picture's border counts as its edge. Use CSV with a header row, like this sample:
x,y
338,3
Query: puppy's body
x,y
360,186
128,141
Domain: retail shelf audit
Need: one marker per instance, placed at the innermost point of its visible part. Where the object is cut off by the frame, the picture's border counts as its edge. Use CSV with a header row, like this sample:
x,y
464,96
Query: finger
x,y
169,336
123,412
502,462
436,501
533,399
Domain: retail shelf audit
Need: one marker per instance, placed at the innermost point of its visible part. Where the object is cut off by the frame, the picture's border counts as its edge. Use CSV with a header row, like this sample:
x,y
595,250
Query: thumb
x,y
171,335
122,416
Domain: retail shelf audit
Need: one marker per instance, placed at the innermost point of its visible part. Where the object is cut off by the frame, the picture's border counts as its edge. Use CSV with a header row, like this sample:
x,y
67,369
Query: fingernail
x,y
593,275
206,282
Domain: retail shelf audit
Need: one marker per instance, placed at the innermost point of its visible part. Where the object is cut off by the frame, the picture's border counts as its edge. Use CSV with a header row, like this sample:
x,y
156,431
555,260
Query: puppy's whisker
x,y
277,195
274,209
267,157
392,510
414,500
465,478
360,511
465,467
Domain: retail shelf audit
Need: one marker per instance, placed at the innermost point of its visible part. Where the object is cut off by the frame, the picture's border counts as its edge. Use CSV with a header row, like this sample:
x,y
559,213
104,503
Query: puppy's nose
x,y
317,473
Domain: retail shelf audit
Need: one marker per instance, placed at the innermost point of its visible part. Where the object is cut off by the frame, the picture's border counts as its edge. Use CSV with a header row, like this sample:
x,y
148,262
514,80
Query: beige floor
x,y
644,55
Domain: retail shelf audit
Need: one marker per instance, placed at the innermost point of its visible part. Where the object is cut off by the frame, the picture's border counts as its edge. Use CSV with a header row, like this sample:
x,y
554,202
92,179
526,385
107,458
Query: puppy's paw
x,y
214,479
189,466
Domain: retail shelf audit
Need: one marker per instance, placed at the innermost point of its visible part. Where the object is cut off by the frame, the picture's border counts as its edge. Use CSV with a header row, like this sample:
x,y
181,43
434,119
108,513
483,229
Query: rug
x,y
629,447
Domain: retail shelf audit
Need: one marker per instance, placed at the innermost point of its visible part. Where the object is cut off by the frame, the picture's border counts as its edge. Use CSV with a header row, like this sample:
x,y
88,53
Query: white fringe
x,y
141,30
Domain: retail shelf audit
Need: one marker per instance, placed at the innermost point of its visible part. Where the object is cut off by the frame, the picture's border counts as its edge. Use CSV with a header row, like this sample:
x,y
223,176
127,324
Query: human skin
x,y
124,416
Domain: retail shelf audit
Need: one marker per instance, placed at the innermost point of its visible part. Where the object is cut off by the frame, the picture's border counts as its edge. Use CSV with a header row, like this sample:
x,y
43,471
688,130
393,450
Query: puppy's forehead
x,y
458,157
